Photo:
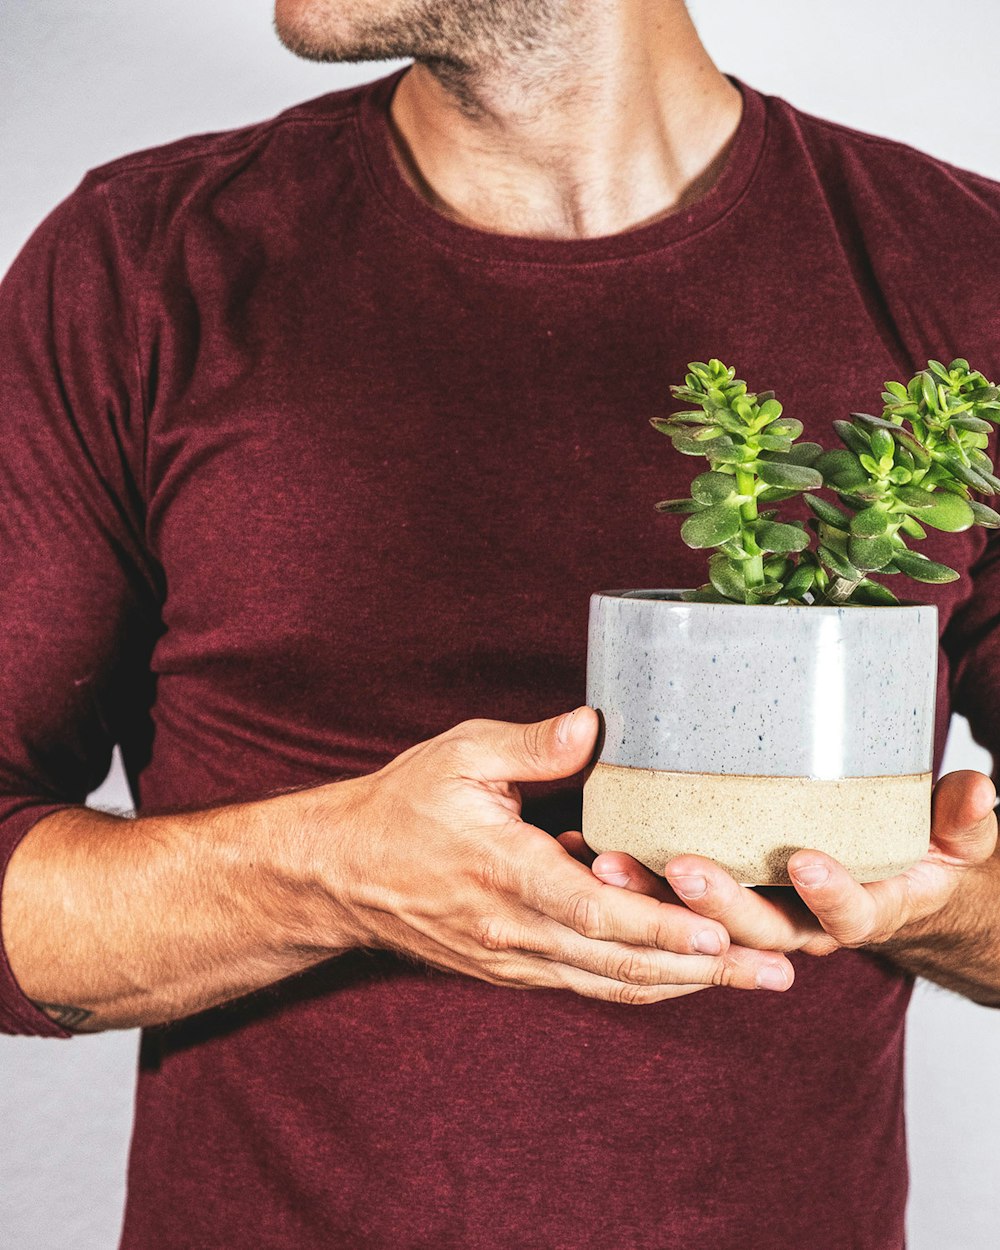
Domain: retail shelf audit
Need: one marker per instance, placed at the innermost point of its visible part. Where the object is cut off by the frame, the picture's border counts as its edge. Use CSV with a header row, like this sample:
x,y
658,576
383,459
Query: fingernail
x,y
689,887
771,978
565,727
614,878
811,874
707,942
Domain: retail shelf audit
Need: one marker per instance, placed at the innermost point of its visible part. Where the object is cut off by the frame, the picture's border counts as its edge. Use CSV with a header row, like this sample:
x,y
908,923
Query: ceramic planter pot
x,y
745,733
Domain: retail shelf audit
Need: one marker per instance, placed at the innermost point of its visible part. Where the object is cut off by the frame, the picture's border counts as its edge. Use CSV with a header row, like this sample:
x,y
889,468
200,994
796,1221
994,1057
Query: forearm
x,y
958,947
113,923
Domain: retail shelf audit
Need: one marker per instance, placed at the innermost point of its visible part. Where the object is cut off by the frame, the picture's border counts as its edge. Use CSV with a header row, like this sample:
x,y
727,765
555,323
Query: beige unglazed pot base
x,y
875,826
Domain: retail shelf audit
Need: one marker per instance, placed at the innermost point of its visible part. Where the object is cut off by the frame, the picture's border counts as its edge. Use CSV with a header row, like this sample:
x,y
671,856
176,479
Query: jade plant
x,y
916,465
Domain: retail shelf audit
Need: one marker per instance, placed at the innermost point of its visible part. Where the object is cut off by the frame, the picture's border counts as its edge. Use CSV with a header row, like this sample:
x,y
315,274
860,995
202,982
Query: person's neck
x,y
627,120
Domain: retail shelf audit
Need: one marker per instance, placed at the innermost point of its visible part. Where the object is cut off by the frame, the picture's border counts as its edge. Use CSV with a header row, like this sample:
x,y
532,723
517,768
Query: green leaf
x,y
711,526
971,477
984,516
787,427
928,388
828,512
871,553
842,469
704,594
905,438
690,446
870,523
873,594
729,421
770,410
796,476
898,391
774,536
948,512
727,577
777,568
800,581
678,505
923,570
871,464
911,526
712,487
840,564
883,444
765,593
852,437
871,493
915,497
978,459
803,453
773,494
966,422
774,442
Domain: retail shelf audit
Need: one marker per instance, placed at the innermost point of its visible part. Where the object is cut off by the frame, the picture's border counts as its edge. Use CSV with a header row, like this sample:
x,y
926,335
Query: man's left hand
x,y
829,909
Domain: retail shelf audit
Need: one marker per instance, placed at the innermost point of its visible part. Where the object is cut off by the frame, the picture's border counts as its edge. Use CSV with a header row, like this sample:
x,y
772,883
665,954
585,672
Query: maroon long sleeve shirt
x,y
295,472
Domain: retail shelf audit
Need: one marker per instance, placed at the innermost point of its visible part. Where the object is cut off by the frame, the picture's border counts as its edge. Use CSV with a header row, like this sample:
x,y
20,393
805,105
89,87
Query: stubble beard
x,y
457,40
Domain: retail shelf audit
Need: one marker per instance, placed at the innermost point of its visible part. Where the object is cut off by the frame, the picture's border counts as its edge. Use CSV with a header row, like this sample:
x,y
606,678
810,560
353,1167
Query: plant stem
x,y
840,590
753,569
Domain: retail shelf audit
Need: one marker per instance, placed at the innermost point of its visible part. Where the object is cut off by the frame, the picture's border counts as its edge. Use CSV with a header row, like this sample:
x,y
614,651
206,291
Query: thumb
x,y
963,824
542,751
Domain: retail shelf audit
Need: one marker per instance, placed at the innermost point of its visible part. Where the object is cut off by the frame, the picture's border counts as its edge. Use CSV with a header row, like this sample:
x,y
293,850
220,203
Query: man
x,y
317,435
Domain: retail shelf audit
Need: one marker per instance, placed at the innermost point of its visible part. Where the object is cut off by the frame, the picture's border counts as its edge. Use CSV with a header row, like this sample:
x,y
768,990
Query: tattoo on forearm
x,y
68,1017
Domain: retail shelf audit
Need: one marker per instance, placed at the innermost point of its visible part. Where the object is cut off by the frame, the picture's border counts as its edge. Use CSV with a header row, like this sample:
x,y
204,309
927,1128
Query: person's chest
x,y
383,488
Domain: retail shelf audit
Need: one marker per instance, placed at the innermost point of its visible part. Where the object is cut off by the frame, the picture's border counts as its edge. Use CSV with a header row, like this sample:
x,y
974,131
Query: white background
x,y
82,81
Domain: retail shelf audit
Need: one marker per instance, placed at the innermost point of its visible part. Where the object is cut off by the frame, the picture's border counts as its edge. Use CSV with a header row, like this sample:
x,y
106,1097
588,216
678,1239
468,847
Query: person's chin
x,y
313,28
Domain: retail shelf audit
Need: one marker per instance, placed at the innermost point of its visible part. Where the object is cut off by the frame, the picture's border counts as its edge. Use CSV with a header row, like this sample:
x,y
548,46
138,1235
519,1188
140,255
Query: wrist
x,y
293,842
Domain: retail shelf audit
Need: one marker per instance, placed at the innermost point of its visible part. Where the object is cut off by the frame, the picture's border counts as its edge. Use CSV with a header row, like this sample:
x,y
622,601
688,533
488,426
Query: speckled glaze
x,y
744,733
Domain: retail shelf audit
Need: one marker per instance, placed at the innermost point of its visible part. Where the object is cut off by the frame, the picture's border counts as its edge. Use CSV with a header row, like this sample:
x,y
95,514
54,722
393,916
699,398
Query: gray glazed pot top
x,y
789,691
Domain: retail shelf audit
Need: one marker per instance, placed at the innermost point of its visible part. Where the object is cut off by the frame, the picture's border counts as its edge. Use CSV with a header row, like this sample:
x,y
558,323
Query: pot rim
x,y
672,596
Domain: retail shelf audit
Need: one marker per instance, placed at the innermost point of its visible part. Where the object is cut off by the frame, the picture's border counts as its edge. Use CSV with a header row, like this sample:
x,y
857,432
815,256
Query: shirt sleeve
x,y
972,644
79,592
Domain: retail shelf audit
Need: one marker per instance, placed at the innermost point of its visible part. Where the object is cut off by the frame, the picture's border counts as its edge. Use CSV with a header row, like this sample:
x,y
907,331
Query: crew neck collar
x,y
381,163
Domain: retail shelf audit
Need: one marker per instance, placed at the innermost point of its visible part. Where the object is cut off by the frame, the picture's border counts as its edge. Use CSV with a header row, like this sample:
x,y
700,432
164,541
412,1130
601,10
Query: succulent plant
x,y
916,465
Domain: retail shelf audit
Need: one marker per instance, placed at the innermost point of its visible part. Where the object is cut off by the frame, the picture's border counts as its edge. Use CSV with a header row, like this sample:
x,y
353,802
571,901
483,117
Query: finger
x,y
963,822
569,894
680,931
543,877
572,842
538,973
752,919
964,833
521,971
852,913
617,868
493,750
637,965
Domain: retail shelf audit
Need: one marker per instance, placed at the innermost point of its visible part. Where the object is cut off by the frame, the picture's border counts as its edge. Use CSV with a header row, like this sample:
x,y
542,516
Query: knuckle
x,y
493,934
634,995
534,743
460,742
725,972
853,934
634,967
585,915
494,874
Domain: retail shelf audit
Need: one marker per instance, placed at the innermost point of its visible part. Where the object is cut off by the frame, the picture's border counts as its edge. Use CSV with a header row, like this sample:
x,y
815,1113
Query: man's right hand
x,y
429,857
112,923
